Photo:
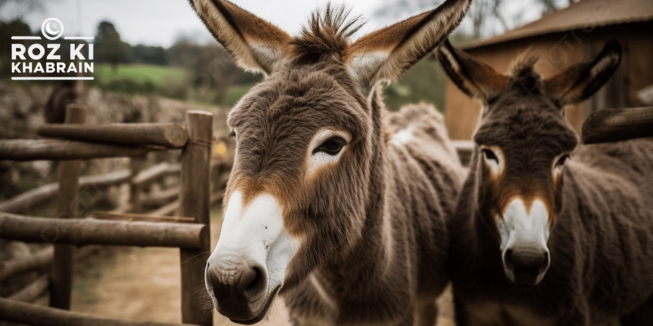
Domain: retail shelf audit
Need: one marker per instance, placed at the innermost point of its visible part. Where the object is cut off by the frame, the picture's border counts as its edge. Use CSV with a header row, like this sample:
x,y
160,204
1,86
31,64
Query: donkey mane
x,y
328,32
524,76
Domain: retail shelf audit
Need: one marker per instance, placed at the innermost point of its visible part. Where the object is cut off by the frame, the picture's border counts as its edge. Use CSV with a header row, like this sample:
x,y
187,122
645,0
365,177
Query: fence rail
x,y
14,266
56,149
29,199
125,225
170,135
29,314
618,124
80,232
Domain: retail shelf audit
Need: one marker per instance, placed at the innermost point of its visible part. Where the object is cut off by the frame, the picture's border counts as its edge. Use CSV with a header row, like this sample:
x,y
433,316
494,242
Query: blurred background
x,y
160,47
154,60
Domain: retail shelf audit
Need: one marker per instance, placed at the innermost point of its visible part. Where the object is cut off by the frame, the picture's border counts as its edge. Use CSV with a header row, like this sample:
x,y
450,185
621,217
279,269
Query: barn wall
x,y
558,51
640,61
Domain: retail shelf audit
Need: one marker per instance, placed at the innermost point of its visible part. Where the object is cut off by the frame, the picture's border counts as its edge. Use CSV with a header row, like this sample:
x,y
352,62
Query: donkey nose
x,y
527,265
236,286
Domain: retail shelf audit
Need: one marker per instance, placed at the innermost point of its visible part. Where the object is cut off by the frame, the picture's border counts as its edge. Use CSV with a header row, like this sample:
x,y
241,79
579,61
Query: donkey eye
x,y
562,160
331,146
490,156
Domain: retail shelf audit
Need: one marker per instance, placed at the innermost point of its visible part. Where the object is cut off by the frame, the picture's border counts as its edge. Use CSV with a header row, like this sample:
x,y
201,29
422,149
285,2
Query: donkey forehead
x,y
299,100
526,124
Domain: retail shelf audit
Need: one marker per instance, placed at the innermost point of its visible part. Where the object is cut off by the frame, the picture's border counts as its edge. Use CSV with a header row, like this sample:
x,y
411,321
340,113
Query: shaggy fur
x,y
373,225
601,242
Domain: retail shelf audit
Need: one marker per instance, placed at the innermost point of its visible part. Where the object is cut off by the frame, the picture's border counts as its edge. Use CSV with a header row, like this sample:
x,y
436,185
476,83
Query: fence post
x,y
67,206
194,194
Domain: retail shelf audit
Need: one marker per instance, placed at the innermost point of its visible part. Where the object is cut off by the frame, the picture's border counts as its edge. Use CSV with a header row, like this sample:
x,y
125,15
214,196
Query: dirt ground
x,y
144,284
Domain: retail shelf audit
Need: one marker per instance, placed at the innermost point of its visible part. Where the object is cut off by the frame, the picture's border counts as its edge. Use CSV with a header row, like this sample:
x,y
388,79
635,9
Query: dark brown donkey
x,y
547,231
342,215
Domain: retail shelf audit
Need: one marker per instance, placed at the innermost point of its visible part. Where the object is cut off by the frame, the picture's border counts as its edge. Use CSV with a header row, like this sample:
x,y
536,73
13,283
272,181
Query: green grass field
x,y
140,73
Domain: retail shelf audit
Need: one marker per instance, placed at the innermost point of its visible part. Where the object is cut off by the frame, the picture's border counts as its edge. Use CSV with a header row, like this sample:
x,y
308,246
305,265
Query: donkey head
x,y
523,142
309,144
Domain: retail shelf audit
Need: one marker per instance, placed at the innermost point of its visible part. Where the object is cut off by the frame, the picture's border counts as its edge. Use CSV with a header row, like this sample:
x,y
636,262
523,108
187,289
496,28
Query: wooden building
x,y
562,38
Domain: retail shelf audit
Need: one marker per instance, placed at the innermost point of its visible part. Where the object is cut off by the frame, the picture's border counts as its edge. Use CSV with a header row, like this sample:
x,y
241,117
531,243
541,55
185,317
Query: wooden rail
x,y
151,174
81,232
618,124
39,259
29,314
33,290
170,135
29,199
14,266
56,149
161,197
142,217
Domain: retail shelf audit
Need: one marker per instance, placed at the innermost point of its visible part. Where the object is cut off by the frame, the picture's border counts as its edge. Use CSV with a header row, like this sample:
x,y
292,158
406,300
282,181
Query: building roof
x,y
583,14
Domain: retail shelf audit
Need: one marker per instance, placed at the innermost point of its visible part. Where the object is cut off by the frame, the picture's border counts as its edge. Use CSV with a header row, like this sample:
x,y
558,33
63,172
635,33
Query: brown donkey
x,y
548,232
341,215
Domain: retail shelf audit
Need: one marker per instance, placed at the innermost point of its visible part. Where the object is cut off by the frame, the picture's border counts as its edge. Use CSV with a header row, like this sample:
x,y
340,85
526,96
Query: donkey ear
x,y
254,43
474,78
580,81
387,53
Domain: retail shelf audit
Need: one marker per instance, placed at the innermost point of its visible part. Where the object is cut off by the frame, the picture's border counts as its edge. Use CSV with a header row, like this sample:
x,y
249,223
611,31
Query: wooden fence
x,y
128,225
618,124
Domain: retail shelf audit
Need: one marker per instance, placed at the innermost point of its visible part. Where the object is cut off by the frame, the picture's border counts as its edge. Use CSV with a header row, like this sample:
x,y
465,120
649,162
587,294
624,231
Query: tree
x,y
211,66
109,47
7,30
485,17
154,55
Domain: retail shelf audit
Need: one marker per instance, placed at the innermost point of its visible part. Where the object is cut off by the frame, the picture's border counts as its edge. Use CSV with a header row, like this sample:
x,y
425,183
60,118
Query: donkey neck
x,y
371,256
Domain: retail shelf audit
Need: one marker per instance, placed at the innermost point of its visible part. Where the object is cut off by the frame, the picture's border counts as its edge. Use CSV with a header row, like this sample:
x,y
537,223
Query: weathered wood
x,y
33,290
28,200
164,134
122,209
142,217
166,210
174,168
29,314
39,259
135,164
61,281
612,125
161,197
87,231
14,266
159,170
57,149
194,198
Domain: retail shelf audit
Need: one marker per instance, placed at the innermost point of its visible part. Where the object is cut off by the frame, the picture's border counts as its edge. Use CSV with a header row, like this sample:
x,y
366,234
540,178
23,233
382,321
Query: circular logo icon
x,y
52,28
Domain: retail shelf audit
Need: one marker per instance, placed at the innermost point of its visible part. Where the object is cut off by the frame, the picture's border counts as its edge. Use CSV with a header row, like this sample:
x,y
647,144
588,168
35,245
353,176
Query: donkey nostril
x,y
256,284
508,258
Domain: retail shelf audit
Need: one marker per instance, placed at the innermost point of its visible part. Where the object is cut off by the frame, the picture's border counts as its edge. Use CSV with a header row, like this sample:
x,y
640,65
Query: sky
x,y
162,22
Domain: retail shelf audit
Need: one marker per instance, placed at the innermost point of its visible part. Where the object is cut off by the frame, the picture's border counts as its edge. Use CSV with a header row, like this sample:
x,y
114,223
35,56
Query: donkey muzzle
x,y
239,290
526,266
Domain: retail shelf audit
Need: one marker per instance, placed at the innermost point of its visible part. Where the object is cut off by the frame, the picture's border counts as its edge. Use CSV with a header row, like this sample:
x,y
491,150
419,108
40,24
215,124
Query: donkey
x,y
341,215
546,231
